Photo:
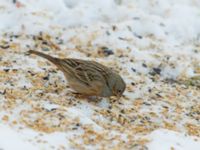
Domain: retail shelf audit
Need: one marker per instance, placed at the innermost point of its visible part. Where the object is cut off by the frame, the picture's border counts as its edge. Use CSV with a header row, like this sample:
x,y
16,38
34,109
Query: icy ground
x,y
154,45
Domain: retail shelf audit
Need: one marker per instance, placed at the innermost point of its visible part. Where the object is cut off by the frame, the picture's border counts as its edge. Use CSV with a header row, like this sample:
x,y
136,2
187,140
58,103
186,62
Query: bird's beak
x,y
115,97
118,95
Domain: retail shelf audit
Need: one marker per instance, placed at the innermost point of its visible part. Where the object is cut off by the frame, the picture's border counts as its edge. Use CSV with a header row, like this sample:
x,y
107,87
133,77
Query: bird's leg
x,y
79,95
88,97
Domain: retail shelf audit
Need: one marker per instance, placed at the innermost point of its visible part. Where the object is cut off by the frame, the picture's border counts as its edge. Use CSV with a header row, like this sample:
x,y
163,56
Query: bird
x,y
88,78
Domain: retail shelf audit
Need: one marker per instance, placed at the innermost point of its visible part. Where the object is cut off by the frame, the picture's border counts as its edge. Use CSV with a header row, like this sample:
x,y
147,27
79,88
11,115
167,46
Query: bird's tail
x,y
48,57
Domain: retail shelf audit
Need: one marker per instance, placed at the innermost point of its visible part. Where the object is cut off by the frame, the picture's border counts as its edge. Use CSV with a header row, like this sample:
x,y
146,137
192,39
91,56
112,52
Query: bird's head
x,y
119,86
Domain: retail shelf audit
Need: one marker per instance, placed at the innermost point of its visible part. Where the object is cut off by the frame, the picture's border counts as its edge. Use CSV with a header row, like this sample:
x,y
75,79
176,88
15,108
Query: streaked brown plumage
x,y
88,77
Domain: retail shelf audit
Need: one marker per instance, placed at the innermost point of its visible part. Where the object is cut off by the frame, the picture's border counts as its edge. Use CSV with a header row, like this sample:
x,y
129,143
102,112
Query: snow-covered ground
x,y
154,45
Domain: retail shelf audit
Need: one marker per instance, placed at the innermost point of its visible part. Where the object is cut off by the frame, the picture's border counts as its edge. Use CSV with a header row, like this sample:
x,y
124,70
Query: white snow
x,y
12,140
166,140
175,26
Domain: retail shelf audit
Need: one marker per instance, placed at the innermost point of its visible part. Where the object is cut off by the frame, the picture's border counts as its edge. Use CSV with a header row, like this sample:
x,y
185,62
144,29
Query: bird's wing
x,y
88,74
86,71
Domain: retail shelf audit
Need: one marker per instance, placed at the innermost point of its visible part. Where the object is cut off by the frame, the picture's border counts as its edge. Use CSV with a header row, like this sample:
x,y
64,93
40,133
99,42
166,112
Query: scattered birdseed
x,y
37,96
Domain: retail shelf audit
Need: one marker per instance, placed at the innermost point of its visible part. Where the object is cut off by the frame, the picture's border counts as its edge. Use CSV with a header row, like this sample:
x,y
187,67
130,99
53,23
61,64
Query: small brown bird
x,y
88,78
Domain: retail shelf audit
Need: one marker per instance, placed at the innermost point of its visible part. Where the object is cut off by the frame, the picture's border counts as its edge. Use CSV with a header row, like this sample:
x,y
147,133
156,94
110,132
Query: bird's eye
x,y
119,91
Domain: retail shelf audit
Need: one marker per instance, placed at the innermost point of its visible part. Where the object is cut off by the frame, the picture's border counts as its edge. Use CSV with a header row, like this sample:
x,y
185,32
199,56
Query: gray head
x,y
119,86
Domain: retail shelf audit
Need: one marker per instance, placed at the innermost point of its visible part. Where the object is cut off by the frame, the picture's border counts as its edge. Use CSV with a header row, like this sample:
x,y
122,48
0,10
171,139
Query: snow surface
x,y
175,24
10,140
165,140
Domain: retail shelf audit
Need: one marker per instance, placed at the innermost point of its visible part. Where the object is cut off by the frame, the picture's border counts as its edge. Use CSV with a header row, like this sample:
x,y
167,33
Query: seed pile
x,y
35,95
